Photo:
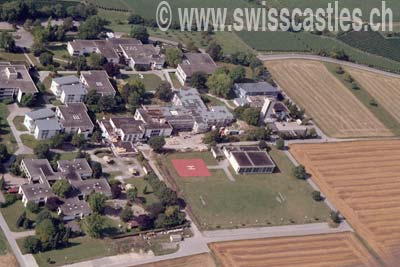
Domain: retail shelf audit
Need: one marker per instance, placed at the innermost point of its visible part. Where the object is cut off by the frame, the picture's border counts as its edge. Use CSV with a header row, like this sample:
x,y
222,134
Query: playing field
x,y
362,181
384,89
201,260
333,250
191,167
252,200
332,106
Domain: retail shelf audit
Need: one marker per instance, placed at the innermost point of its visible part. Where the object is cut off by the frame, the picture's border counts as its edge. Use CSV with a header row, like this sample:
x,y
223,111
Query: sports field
x,y
384,89
191,167
251,200
201,260
362,180
331,105
333,250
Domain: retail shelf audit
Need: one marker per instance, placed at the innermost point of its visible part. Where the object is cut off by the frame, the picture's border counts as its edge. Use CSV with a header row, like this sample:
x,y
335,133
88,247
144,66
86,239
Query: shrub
x,y
300,172
316,195
280,144
32,244
335,217
33,207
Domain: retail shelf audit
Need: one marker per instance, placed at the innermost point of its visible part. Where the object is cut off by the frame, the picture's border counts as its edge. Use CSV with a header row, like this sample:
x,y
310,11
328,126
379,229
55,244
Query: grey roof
x,y
99,81
65,80
143,54
128,124
250,156
34,192
97,185
257,87
75,115
74,89
39,169
77,166
41,114
22,81
74,206
50,124
198,62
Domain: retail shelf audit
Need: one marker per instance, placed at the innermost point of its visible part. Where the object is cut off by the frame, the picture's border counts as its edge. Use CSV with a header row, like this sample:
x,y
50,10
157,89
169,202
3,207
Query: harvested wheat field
x,y
201,260
8,260
385,89
362,179
331,250
332,106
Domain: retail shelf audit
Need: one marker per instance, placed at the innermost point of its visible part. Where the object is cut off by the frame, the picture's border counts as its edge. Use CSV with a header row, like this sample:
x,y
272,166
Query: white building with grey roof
x,y
32,117
74,93
74,118
58,82
99,81
47,128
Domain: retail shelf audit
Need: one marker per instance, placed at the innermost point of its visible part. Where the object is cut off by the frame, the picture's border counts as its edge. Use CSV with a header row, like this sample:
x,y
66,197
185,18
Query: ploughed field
x,y
362,180
331,105
333,250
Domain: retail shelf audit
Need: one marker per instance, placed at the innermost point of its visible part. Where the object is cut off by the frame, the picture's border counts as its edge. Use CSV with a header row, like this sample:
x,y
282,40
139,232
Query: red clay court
x,y
191,167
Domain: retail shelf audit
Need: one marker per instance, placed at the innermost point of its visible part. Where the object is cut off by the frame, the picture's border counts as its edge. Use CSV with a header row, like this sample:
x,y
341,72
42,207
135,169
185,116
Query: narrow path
x,y
15,111
223,165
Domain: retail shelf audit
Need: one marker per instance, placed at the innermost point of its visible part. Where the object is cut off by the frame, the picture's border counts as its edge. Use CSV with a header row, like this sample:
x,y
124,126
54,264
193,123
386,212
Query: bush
x,y
316,195
33,207
300,172
32,244
280,144
335,217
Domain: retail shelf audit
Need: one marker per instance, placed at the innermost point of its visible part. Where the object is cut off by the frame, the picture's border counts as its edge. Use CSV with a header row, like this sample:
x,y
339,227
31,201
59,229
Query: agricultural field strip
x,y
341,249
383,88
326,99
371,205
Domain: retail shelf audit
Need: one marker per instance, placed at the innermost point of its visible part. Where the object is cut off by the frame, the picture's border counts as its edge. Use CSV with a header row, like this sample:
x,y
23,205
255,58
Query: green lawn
x,y
140,184
59,51
12,57
3,244
6,136
252,200
177,84
12,213
29,140
19,123
68,155
151,81
364,97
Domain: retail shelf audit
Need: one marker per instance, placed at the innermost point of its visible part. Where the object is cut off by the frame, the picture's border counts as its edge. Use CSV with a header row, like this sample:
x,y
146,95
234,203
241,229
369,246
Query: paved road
x,y
264,57
15,111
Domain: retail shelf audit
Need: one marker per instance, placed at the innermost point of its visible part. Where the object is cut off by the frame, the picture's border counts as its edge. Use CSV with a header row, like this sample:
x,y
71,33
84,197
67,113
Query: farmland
x,y
331,105
384,89
333,250
201,260
252,200
361,180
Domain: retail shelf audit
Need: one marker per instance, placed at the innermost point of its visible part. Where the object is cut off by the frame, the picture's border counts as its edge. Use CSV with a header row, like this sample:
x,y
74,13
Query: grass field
x,y
252,200
331,105
361,180
200,260
12,213
150,81
333,250
140,184
384,89
19,123
6,136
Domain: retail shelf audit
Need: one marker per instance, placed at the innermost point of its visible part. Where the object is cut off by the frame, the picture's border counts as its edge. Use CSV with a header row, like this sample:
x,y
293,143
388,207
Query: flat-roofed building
x,y
98,81
58,82
47,128
143,56
192,63
249,160
74,208
15,82
74,93
74,118
32,117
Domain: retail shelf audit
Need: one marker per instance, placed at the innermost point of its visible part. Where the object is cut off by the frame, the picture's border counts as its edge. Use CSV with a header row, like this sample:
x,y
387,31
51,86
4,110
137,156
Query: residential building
x,y
15,82
143,56
244,90
98,81
57,83
47,128
109,48
36,115
74,118
74,93
249,159
74,208
273,110
192,63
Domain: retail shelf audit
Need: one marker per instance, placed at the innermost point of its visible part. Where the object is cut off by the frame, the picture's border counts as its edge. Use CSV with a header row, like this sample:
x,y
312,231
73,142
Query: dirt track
x,y
333,250
334,108
362,180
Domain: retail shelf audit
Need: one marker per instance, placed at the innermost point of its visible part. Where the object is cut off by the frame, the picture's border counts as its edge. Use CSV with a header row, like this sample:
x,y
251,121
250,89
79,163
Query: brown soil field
x,y
333,250
362,180
332,106
8,260
201,260
384,89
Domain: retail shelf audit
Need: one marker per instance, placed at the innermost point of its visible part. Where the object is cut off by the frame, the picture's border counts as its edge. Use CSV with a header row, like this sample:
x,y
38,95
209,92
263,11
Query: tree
x,y
135,19
131,194
126,214
53,203
92,27
32,244
27,100
164,91
167,220
116,190
238,74
112,69
78,140
94,225
214,50
251,116
280,144
43,215
45,230
316,195
62,188
96,136
262,144
21,219
157,143
41,150
4,155
173,56
97,202
7,42
191,47
46,59
140,33
58,140
107,104
145,222
198,80
300,172
212,137
33,207
97,169
335,217
220,84
95,61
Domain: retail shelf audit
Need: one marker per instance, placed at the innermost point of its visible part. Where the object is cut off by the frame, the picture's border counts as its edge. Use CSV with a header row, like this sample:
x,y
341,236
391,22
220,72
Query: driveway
x,y
14,111
23,38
